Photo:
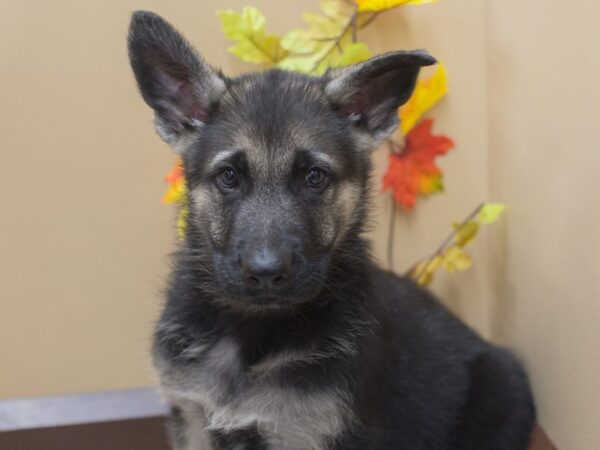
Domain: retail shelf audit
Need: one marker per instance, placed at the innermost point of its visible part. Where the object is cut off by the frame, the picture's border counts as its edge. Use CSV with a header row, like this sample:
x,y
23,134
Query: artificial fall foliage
x,y
427,93
176,181
381,5
253,44
177,193
329,40
326,42
451,255
412,171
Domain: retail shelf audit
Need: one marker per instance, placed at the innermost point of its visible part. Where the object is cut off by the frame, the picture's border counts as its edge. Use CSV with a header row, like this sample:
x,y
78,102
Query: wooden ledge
x,y
122,420
539,440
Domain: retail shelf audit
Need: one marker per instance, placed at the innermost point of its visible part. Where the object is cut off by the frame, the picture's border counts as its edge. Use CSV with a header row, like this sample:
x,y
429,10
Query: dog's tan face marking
x,y
333,211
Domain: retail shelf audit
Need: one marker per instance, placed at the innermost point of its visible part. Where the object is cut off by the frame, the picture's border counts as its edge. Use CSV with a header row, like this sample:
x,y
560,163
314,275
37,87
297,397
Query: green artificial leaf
x,y
353,53
424,271
465,233
298,42
298,63
247,51
248,29
455,259
238,26
324,43
337,9
490,212
323,27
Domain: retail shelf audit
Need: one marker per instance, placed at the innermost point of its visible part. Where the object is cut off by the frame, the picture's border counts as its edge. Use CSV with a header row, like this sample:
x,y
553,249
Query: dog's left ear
x,y
371,92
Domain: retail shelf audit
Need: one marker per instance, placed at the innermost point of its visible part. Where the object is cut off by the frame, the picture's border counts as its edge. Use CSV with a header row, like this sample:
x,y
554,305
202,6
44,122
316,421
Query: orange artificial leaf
x,y
414,172
176,193
176,173
176,180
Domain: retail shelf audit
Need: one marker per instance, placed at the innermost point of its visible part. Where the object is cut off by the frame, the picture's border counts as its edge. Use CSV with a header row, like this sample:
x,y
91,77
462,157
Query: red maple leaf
x,y
414,171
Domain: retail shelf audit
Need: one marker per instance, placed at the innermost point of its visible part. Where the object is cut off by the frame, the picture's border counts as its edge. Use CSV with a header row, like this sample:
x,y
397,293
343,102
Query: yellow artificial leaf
x,y
175,193
456,259
490,212
353,53
298,41
426,94
323,27
332,8
465,233
249,52
381,5
297,64
248,29
423,272
239,26
425,277
453,257
337,9
182,221
323,43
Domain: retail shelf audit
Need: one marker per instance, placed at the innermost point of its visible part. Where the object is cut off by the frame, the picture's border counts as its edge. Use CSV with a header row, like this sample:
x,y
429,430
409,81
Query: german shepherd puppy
x,y
279,331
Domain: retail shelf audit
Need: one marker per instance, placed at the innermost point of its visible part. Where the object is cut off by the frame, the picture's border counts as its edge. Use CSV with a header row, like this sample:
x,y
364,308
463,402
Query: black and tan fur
x,y
278,331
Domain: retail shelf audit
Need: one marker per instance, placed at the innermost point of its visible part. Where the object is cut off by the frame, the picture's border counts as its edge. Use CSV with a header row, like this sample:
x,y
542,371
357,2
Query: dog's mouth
x,y
261,300
302,285
260,304
274,301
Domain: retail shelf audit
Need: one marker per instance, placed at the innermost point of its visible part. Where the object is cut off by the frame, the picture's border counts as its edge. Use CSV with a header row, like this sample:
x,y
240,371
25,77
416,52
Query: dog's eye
x,y
228,178
316,177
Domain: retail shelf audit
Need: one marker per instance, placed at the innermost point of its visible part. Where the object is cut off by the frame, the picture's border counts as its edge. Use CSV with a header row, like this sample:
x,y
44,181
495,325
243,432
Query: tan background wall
x,y
84,238
544,92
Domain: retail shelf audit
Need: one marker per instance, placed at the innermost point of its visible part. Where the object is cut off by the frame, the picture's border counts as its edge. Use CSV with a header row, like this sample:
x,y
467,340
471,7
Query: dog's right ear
x,y
181,88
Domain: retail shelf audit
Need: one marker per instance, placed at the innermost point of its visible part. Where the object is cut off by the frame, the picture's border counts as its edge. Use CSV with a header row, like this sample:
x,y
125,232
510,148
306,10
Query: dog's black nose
x,y
266,269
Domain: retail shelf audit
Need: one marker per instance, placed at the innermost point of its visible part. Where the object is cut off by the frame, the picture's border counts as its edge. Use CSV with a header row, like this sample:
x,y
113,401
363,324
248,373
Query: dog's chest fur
x,y
227,394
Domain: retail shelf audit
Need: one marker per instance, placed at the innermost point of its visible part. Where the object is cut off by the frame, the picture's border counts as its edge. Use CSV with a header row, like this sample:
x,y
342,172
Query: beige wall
x,y
84,238
544,107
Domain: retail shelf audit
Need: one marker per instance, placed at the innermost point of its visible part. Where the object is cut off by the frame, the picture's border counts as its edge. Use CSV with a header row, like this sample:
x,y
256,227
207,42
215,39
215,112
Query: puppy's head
x,y
276,162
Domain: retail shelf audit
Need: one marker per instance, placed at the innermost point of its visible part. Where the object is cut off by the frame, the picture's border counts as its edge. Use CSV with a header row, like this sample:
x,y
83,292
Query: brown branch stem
x,y
370,19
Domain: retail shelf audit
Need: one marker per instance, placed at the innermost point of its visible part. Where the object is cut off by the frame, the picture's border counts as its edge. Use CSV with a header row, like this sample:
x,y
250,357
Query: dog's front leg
x,y
187,430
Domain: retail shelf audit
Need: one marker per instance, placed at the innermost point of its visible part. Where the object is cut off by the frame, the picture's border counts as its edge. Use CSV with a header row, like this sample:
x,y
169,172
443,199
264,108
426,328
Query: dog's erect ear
x,y
371,92
180,87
